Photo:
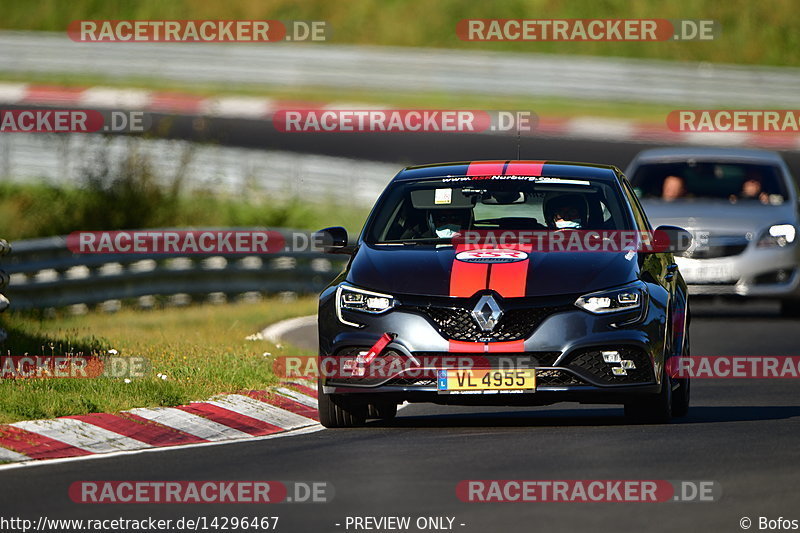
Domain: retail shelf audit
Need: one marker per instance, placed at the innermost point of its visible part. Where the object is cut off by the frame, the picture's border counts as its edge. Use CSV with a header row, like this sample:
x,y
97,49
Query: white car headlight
x,y
364,301
778,235
626,298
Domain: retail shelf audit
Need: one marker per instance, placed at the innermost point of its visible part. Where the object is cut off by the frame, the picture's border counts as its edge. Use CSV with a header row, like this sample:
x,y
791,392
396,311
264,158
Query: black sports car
x,y
504,283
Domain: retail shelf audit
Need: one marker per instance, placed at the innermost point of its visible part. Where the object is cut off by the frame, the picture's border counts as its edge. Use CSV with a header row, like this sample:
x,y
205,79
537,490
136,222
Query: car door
x,y
660,267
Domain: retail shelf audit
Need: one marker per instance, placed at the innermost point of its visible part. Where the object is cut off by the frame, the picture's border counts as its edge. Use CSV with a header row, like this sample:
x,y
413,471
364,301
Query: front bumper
x,y
564,348
587,395
755,273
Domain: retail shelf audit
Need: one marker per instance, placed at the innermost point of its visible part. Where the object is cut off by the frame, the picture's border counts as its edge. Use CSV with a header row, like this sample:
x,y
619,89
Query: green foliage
x,y
201,349
752,32
130,195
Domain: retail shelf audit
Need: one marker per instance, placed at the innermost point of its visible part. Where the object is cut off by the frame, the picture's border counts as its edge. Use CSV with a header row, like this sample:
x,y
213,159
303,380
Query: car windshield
x,y
732,182
436,210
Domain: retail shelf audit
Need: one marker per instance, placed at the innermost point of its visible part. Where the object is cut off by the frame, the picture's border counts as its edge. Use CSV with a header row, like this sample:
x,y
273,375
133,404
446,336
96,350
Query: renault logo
x,y
487,313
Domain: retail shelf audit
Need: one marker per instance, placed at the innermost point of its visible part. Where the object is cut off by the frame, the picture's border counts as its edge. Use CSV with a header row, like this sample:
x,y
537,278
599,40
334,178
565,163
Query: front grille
x,y
556,378
713,290
591,361
493,360
776,276
515,324
719,246
392,363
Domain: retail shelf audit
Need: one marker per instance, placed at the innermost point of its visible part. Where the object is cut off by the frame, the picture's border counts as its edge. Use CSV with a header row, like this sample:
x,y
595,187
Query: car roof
x,y
553,169
681,152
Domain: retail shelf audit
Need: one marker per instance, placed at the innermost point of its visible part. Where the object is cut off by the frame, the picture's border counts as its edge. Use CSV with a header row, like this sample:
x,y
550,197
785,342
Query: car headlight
x,y
361,300
777,235
626,298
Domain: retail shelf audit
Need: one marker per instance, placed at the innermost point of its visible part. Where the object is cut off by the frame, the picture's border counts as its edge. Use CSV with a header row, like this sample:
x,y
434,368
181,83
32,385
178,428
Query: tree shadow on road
x,y
587,417
516,418
759,310
739,413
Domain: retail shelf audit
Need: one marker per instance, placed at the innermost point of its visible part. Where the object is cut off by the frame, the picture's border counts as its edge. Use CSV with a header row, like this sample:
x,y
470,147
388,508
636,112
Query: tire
x,y
382,410
790,308
336,411
680,398
652,409
682,395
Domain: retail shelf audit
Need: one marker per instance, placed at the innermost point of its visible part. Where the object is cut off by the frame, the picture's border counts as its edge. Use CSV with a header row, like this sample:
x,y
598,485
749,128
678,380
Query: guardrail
x,y
4,249
408,69
67,158
44,273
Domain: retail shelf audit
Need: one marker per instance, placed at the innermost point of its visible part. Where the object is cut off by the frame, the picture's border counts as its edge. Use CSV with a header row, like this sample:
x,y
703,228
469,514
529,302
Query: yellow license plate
x,y
483,380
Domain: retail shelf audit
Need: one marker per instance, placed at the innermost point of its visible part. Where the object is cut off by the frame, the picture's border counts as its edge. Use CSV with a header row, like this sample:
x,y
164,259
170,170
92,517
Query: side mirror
x,y
671,239
334,240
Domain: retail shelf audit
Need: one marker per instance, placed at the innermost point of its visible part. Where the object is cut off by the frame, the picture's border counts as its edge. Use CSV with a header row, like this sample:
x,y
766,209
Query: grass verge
x,y
751,32
201,349
30,210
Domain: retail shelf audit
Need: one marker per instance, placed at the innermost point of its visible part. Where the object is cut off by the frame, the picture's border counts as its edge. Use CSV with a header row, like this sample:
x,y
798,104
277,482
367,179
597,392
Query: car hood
x,y
718,217
426,270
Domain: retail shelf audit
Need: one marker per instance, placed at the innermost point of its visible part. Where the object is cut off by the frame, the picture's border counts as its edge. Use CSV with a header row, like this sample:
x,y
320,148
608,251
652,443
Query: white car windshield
x,y
732,182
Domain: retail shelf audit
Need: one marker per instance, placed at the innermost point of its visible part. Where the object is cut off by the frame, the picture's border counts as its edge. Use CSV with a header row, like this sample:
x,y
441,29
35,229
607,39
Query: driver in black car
x,y
566,211
445,223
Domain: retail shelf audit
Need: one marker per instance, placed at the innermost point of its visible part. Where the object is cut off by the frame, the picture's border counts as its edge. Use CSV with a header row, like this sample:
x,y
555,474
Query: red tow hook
x,y
363,360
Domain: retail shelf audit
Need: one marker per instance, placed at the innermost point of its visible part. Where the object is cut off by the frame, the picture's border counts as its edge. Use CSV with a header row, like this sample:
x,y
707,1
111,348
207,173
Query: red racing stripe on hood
x,y
467,278
510,280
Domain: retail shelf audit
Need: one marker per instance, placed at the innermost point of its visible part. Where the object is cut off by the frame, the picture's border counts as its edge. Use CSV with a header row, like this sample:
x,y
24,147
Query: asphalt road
x,y
742,434
401,148
406,148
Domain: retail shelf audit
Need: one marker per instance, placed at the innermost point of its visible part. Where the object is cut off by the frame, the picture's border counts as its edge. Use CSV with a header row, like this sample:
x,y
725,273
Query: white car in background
x,y
742,208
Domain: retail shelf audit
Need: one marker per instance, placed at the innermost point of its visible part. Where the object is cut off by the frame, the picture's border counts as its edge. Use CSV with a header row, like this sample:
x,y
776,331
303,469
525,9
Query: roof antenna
x,y
518,140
